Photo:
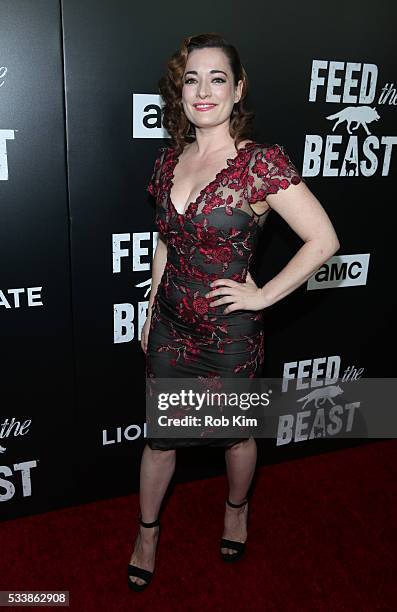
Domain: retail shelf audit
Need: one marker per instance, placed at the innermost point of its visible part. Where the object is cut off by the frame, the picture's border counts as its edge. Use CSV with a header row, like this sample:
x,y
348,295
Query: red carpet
x,y
322,536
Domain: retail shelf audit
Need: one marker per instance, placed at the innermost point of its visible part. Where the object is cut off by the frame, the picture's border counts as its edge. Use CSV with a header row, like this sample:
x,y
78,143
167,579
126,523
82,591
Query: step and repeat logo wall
x,y
80,128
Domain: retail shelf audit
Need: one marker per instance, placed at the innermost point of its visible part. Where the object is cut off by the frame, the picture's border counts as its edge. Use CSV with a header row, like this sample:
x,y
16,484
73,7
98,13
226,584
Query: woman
x,y
214,189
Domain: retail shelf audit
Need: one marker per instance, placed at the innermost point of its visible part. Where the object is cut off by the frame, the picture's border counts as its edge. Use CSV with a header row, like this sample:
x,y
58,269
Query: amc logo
x,y
146,116
341,271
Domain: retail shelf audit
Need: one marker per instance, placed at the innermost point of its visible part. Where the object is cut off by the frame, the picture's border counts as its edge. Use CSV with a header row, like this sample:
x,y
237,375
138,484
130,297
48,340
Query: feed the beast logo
x,y
322,399
6,134
5,137
354,145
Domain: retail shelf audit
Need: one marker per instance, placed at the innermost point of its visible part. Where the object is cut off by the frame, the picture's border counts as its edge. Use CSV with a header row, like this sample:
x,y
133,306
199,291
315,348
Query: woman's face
x,y
208,79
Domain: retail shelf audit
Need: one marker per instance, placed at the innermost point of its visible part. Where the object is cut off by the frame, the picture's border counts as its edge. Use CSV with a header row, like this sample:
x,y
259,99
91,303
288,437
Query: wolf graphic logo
x,y
319,396
351,165
360,114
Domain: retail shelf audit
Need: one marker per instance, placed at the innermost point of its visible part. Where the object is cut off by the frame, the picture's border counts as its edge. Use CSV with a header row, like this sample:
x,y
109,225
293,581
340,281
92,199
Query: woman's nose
x,y
204,90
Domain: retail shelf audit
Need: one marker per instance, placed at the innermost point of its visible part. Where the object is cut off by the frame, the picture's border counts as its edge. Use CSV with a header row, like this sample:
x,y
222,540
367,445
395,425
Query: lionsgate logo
x,y
351,149
5,134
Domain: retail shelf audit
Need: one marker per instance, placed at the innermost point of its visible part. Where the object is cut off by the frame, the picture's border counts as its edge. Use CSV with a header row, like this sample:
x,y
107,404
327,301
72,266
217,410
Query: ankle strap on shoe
x,y
229,503
153,524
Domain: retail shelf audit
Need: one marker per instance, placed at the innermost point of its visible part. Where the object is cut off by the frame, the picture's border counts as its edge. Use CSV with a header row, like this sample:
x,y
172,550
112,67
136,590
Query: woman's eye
x,y
216,79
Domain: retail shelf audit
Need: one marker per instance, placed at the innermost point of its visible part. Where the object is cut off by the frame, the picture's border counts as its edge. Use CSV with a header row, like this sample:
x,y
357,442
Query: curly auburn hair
x,y
170,86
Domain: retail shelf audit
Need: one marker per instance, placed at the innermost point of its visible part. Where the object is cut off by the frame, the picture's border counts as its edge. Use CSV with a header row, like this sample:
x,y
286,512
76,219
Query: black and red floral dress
x,y
214,238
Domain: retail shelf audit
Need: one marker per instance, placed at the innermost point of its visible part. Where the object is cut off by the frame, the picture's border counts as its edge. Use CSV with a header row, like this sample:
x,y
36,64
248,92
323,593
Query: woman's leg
x,y
157,468
240,463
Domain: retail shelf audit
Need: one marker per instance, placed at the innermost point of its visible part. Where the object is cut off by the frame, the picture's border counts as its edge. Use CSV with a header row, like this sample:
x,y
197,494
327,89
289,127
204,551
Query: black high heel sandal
x,y
139,572
239,547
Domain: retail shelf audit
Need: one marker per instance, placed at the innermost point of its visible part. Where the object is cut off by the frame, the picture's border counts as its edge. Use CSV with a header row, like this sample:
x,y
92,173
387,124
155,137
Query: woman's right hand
x,y
145,333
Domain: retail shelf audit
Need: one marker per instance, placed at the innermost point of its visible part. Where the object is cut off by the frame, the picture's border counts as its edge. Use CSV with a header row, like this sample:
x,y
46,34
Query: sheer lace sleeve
x,y
154,182
271,169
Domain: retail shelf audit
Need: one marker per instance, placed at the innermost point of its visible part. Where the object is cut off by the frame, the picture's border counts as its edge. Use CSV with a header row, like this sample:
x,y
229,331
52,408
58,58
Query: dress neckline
x,y
175,160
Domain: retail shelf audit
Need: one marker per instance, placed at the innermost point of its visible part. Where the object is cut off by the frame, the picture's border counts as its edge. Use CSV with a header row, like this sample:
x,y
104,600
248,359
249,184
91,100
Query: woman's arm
x,y
159,261
300,208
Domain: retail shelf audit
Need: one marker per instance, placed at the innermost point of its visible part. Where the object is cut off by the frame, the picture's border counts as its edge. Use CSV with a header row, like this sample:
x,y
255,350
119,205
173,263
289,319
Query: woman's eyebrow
x,y
210,71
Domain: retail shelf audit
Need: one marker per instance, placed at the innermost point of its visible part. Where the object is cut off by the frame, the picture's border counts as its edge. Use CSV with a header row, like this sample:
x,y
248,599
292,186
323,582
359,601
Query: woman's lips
x,y
205,108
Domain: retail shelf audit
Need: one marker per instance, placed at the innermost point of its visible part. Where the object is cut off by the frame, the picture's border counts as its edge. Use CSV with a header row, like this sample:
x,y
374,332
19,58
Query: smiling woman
x,y
204,107
217,78
213,189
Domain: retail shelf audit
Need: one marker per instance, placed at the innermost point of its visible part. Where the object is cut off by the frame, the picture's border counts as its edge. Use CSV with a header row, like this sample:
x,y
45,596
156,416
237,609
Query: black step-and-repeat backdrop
x,y
79,130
